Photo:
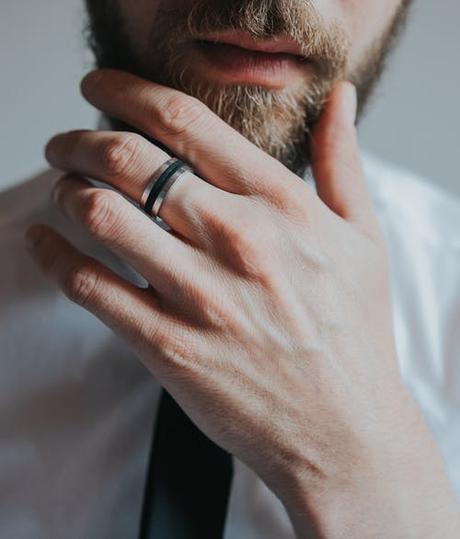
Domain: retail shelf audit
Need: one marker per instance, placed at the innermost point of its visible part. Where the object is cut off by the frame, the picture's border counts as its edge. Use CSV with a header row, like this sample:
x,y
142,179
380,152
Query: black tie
x,y
188,480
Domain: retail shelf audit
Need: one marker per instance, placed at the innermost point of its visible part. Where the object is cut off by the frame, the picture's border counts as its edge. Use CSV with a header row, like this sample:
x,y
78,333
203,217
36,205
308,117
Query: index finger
x,y
218,153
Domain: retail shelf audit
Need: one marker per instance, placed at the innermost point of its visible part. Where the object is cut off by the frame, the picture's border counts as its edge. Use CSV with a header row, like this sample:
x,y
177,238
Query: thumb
x,y
336,165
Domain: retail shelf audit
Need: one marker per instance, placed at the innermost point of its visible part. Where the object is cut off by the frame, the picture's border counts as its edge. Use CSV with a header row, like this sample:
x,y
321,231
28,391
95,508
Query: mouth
x,y
235,57
276,44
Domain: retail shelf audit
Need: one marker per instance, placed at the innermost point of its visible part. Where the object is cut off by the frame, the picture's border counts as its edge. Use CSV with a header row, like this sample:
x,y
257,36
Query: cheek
x,y
367,21
139,18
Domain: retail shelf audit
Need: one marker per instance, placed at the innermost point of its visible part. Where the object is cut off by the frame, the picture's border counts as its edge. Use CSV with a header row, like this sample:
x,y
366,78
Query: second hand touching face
x,y
268,316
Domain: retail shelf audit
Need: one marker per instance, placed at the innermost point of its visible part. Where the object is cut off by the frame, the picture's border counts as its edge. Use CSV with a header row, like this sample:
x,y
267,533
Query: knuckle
x,y
181,113
99,217
215,313
244,237
119,154
80,284
290,200
248,248
178,351
150,331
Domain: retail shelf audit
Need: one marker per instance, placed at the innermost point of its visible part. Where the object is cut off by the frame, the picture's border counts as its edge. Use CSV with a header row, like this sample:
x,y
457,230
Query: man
x,y
265,304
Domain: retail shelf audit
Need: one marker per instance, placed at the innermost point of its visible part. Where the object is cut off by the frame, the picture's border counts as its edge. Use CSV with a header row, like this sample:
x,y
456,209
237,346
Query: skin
x,y
269,314
362,22
159,41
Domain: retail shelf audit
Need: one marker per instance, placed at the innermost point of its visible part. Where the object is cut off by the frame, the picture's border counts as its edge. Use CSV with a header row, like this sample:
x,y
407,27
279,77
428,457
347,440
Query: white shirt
x,y
77,409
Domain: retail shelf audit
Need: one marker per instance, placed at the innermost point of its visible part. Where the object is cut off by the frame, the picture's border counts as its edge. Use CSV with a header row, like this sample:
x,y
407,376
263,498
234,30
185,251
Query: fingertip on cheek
x,y
90,81
51,150
48,151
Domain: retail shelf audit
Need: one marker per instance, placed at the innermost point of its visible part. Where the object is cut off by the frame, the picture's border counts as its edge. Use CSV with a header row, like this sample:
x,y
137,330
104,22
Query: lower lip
x,y
232,64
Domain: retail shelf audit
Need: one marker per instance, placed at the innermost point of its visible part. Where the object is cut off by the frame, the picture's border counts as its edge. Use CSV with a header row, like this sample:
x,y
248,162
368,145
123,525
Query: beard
x,y
277,121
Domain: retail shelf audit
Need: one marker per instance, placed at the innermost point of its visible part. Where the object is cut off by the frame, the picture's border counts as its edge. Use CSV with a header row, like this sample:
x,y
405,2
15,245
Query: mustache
x,y
325,46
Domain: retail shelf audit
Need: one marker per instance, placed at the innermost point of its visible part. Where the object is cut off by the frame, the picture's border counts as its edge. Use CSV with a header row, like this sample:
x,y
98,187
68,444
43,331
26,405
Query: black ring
x,y
160,183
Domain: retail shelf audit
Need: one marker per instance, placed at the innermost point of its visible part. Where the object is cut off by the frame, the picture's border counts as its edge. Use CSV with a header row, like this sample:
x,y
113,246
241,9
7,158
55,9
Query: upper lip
x,y
277,44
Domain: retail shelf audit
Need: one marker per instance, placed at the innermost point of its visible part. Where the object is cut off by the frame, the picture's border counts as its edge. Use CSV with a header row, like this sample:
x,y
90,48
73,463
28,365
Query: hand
x,y
269,313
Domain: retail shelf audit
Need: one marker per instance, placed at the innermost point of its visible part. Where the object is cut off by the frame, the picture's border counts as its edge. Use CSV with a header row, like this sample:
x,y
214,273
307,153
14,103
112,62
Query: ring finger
x,y
127,161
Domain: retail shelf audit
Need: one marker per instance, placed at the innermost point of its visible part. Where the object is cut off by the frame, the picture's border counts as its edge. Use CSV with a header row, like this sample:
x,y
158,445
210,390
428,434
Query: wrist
x,y
395,488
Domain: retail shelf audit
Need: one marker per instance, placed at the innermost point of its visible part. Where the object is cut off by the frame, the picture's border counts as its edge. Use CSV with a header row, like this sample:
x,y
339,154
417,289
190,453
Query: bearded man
x,y
293,304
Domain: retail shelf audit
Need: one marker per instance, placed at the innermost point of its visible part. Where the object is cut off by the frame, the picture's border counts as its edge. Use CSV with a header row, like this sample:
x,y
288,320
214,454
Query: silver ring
x,y
154,178
182,171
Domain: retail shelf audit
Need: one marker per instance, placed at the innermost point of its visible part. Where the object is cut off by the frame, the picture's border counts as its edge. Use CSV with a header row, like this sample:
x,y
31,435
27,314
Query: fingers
x,y
127,161
124,160
182,277
164,260
218,153
336,164
131,312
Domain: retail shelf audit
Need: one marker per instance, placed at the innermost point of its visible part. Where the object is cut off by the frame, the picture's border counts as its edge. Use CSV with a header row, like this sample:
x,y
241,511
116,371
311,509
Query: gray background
x,y
413,120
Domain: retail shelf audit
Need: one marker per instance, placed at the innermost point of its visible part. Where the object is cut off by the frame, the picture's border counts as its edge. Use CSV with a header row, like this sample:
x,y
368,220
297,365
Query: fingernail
x,y
33,236
351,100
62,182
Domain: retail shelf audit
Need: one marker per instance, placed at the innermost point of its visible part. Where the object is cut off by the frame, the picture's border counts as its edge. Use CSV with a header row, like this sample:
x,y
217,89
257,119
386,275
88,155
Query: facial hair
x,y
277,121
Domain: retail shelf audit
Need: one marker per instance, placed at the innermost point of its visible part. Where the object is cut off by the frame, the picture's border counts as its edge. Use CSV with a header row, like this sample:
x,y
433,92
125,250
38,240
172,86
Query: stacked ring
x,y
161,181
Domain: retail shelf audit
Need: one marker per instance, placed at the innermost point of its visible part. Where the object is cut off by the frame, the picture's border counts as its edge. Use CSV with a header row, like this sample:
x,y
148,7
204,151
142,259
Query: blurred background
x,y
414,119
